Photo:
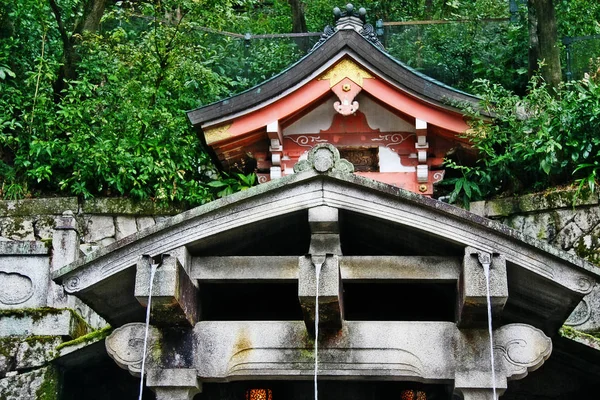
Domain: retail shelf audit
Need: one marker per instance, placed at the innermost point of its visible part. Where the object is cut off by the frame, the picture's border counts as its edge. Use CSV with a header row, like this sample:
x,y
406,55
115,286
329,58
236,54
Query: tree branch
x,y
61,27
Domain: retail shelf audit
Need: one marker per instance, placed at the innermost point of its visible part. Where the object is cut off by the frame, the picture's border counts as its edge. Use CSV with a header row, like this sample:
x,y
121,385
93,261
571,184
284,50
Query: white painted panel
x,y
382,119
389,161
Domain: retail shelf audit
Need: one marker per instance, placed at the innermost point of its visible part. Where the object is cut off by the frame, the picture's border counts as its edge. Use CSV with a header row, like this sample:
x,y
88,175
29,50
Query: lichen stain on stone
x,y
242,343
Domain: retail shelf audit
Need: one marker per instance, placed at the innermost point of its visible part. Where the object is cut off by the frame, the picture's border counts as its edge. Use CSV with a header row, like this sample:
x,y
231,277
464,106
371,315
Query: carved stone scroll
x,y
126,346
521,348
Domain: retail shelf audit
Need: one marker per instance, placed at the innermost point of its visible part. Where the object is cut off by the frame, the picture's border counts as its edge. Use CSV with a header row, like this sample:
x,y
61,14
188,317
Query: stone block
x,y
17,228
540,226
125,226
121,206
587,218
325,243
568,236
28,207
472,288
98,227
329,293
24,274
174,296
398,350
65,241
42,322
173,384
43,227
42,383
36,352
144,222
323,219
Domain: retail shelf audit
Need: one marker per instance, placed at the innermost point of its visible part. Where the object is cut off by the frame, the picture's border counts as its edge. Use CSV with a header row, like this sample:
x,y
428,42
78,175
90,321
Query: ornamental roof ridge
x,y
350,20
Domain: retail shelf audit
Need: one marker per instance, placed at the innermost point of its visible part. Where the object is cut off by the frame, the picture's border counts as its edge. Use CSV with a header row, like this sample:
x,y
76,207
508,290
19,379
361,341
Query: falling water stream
x,y
317,275
486,271
153,268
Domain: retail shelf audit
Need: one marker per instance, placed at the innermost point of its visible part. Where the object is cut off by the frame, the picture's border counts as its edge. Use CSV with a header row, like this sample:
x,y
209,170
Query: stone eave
x,y
425,88
540,267
459,214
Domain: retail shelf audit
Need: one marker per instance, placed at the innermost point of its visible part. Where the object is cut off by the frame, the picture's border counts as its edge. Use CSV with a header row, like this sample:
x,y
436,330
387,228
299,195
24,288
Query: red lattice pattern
x,y
259,394
413,395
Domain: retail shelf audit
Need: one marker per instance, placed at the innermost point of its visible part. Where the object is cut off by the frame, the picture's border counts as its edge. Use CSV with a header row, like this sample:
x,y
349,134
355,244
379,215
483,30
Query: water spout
x,y
153,268
317,275
486,271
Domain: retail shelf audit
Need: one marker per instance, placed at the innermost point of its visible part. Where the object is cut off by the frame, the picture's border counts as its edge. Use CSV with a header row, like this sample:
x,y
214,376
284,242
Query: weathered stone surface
x,y
353,268
144,222
586,218
173,384
329,293
42,383
568,236
107,241
42,322
65,242
43,227
88,248
98,227
18,228
125,226
30,207
323,219
121,206
536,202
36,352
540,226
159,219
422,351
586,316
125,345
24,274
473,290
174,296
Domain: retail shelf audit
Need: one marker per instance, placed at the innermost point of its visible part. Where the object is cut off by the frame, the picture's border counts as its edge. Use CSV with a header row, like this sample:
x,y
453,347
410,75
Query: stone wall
x,y
568,221
40,325
100,221
561,218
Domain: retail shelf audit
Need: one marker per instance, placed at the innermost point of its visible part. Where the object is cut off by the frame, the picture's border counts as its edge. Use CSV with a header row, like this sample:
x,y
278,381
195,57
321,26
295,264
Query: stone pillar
x,y
174,296
472,292
173,384
65,241
479,394
330,293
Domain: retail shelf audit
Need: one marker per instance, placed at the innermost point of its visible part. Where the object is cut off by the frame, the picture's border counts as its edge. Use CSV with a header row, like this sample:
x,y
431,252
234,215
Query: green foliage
x,y
533,142
120,128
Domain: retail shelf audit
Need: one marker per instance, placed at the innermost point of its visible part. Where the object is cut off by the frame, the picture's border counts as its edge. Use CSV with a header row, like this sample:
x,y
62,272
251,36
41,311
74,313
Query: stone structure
x,y
369,238
402,291
401,298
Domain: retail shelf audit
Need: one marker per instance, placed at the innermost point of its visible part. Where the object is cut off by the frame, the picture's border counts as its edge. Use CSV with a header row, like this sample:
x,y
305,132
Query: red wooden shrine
x,y
394,124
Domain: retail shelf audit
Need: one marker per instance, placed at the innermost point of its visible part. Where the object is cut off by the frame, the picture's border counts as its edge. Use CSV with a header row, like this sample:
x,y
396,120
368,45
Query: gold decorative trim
x,y
213,135
346,69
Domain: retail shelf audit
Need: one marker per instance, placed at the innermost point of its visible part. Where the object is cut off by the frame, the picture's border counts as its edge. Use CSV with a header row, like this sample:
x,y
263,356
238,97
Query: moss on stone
x,y
90,337
49,390
571,333
34,313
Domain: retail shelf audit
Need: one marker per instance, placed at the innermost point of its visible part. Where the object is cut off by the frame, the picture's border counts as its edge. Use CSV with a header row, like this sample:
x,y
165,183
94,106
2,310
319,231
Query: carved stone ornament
x,y
126,345
521,348
323,158
16,288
